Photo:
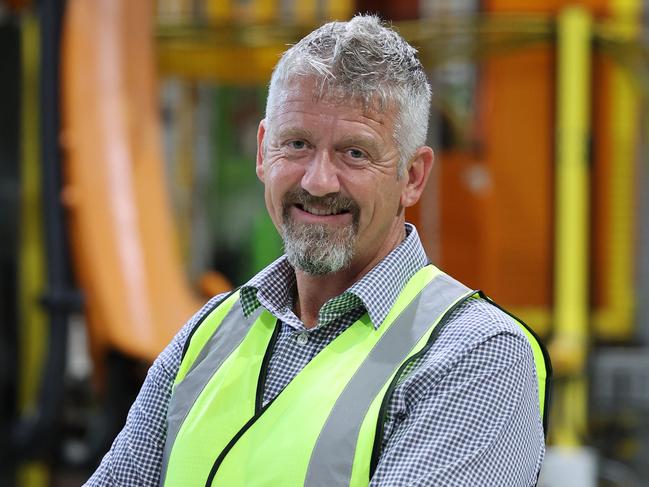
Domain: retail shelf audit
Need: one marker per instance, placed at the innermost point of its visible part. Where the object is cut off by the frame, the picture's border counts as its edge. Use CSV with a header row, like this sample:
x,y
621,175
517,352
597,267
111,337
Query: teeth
x,y
318,211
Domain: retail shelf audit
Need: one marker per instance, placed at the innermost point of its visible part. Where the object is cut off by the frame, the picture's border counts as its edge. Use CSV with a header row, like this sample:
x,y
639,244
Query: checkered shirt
x,y
465,414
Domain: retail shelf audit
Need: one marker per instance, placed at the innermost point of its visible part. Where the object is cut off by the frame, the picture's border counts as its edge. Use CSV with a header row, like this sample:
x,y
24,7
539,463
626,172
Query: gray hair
x,y
363,61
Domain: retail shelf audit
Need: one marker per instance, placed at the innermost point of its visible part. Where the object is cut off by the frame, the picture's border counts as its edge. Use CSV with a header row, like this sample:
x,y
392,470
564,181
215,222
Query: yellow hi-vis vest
x,y
325,428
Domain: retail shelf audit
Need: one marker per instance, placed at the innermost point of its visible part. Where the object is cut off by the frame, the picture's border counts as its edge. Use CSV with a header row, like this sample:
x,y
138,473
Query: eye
x,y
356,153
296,144
356,157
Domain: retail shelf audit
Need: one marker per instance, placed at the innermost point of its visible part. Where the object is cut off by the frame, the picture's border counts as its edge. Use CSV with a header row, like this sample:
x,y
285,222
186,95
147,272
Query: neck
x,y
314,291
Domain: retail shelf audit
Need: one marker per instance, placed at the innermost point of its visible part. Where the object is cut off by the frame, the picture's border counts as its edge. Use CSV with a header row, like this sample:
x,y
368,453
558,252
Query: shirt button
x,y
302,338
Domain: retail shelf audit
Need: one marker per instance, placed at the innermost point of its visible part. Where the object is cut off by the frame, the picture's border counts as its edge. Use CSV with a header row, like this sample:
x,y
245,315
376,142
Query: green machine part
x,y
243,228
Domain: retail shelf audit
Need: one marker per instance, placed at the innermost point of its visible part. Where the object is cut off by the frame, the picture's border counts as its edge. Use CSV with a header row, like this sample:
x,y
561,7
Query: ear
x,y
417,175
259,167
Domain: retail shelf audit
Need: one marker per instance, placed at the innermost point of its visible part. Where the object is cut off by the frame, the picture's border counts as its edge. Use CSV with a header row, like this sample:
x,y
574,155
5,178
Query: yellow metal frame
x,y
234,51
571,288
266,11
615,321
33,331
31,273
226,63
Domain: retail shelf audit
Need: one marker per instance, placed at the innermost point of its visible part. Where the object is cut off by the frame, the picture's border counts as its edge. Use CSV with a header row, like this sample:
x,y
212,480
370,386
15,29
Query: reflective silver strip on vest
x,y
333,455
227,337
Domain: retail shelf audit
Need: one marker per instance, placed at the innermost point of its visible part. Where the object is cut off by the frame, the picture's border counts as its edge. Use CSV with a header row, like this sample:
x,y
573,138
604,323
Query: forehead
x,y
304,97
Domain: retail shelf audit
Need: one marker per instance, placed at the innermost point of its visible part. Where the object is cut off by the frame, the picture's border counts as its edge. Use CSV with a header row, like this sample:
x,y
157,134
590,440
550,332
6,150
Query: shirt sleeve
x,y
135,457
479,425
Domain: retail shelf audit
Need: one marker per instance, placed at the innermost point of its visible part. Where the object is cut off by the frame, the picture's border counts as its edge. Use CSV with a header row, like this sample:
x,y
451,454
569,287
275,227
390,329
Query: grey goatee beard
x,y
319,249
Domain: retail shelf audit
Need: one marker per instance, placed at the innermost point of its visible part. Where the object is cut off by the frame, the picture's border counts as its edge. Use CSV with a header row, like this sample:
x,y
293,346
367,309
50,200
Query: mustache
x,y
336,201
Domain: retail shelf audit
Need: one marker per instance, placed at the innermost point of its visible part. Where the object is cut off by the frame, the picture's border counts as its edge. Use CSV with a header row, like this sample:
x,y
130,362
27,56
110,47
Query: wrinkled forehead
x,y
330,93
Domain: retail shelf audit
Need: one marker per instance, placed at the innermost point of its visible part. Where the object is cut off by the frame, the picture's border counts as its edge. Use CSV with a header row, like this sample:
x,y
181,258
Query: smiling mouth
x,y
321,211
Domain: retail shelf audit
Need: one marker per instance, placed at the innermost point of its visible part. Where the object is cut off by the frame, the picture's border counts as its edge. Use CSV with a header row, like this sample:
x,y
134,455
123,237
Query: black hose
x,y
36,435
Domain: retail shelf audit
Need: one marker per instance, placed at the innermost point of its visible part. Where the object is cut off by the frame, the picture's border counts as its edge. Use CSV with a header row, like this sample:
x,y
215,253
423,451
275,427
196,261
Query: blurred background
x,y
128,197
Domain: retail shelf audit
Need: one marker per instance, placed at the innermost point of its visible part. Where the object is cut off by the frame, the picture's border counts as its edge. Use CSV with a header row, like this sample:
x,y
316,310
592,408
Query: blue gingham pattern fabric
x,y
465,414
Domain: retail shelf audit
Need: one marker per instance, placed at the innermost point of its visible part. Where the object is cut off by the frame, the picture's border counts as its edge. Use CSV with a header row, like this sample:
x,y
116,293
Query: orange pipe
x,y
124,249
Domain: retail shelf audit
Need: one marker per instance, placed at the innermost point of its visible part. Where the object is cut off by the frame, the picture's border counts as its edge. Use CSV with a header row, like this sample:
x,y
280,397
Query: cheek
x,y
381,206
273,206
278,181
285,176
272,189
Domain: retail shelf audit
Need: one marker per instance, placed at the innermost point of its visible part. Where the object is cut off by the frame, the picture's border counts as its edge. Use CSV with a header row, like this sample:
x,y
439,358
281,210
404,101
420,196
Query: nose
x,y
321,175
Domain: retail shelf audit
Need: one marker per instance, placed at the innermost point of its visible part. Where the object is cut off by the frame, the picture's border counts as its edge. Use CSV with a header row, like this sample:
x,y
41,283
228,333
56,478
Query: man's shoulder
x,y
170,358
479,318
195,321
476,339
474,323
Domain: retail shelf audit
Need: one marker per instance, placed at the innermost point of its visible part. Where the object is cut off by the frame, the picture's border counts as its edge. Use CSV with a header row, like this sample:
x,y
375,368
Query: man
x,y
350,360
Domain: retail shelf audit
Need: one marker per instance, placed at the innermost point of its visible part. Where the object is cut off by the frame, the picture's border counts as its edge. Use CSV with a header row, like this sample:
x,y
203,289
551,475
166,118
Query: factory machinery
x,y
127,141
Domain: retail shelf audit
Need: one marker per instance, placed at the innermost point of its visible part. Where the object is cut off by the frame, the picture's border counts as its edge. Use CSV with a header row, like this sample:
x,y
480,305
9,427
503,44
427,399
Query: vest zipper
x,y
378,435
259,410
263,372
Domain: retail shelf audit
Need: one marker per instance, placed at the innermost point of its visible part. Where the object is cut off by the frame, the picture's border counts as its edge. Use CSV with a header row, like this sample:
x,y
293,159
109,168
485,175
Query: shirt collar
x,y
274,286
380,287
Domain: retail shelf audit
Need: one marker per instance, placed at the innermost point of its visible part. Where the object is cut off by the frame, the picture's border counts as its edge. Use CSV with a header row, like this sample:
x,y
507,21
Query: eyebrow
x,y
295,132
